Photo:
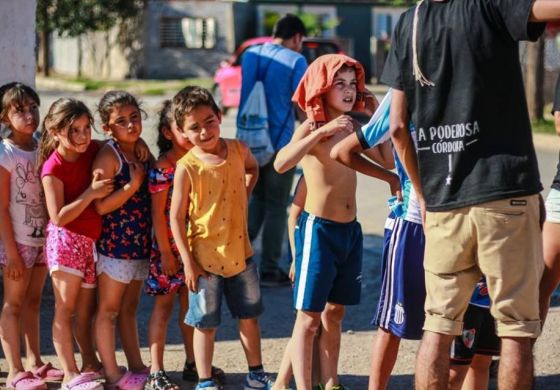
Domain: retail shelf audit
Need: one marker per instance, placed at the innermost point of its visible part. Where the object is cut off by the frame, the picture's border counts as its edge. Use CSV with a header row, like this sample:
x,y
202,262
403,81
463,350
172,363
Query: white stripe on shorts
x,y
306,255
390,273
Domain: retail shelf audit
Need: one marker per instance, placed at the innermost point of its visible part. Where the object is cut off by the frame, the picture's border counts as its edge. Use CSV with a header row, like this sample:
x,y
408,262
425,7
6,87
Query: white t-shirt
x,y
27,206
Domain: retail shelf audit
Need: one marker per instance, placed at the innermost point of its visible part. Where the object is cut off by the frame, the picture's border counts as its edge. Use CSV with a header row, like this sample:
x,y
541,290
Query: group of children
x,y
107,219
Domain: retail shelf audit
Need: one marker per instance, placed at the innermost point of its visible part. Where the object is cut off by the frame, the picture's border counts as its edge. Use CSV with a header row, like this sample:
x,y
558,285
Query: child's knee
x,y
107,314
33,303
308,322
12,308
333,313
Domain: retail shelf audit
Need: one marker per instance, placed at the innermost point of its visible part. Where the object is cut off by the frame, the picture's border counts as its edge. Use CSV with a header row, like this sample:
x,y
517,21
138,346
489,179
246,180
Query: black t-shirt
x,y
556,107
473,130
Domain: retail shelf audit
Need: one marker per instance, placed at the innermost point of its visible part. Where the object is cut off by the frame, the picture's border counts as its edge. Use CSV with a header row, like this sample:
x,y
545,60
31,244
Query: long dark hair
x,y
61,115
166,119
15,94
113,99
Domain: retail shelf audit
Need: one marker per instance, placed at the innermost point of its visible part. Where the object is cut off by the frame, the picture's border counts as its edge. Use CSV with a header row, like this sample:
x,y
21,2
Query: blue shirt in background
x,y
281,70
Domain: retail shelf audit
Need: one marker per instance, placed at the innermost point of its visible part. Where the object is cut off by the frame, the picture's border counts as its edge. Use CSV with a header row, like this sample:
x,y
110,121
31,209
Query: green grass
x,y
543,126
146,87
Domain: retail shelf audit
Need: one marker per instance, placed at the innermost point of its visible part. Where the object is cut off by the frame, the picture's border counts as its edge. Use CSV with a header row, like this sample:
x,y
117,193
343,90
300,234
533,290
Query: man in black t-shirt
x,y
454,66
551,228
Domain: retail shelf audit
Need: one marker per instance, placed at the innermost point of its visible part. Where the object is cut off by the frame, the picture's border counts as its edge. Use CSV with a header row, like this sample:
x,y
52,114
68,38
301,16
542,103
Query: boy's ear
x,y
219,115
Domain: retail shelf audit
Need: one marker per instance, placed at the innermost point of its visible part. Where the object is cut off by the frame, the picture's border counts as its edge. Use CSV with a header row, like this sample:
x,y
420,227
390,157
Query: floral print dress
x,y
158,283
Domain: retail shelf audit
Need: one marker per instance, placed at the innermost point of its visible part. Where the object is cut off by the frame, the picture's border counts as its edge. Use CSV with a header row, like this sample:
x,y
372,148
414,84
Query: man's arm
x,y
403,142
545,11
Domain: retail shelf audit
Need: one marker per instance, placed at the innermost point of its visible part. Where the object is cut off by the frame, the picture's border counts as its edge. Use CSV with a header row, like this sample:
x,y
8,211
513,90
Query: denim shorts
x,y
553,206
242,293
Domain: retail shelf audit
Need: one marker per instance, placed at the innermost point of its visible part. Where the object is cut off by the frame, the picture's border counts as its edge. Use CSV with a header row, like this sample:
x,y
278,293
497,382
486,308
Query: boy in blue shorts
x,y
328,239
400,311
471,353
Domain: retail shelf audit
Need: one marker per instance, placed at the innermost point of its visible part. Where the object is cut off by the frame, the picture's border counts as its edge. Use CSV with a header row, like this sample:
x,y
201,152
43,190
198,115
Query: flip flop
x,y
129,381
146,371
48,373
84,381
100,374
26,381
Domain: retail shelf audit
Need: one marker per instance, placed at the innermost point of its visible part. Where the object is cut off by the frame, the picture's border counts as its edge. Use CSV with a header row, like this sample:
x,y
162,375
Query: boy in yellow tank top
x,y
211,187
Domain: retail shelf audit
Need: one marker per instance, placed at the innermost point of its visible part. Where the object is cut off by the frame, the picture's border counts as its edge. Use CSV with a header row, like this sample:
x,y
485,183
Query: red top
x,y
76,177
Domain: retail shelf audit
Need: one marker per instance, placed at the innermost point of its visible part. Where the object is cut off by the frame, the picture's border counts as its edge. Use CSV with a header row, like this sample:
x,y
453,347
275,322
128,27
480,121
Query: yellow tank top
x,y
217,221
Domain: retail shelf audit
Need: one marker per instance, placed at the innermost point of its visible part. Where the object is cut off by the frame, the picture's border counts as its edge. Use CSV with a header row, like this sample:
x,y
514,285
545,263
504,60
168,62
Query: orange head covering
x,y
319,78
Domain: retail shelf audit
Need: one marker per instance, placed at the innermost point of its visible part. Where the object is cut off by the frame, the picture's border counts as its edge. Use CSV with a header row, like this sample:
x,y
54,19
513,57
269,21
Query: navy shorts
x,y
328,263
242,293
479,337
401,301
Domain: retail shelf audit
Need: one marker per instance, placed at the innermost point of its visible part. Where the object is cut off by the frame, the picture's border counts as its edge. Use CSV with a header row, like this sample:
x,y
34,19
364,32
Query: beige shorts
x,y
500,239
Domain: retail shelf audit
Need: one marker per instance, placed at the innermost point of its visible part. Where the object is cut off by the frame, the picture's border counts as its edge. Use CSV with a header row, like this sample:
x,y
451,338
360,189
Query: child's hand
x,y
292,272
142,151
343,123
193,271
395,185
100,188
14,268
169,264
137,175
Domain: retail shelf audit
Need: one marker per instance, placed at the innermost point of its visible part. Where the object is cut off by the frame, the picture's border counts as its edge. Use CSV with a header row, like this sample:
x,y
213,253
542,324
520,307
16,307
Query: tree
x,y
72,18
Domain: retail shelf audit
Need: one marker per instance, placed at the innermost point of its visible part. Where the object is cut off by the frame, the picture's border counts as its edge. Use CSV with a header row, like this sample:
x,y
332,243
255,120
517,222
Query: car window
x,y
312,50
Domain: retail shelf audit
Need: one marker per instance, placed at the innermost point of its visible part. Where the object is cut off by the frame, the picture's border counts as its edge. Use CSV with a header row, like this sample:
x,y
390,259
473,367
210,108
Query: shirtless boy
x,y
328,238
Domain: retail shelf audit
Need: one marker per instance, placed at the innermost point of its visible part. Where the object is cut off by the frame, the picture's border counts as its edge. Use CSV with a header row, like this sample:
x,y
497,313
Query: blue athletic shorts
x,y
328,263
401,302
242,293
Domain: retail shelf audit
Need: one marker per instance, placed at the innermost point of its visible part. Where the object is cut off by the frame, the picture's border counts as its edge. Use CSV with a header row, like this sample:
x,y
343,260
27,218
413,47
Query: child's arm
x,y
107,162
169,263
349,152
178,219
61,214
14,268
404,144
251,169
296,209
304,139
382,154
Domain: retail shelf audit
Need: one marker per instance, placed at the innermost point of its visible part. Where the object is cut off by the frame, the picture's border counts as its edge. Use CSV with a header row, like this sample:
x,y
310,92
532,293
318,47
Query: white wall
x,y
17,42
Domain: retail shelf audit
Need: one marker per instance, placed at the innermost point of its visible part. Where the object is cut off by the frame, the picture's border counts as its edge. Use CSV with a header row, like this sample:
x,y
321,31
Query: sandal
x,y
48,373
100,374
190,374
84,381
26,381
129,381
159,381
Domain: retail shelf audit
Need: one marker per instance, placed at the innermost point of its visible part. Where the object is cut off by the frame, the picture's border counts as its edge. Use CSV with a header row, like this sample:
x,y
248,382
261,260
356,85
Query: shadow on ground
x,y
277,320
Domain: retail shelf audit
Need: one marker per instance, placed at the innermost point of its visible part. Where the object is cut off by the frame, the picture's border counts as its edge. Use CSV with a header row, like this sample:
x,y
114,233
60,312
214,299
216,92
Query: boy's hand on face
x,y
343,123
